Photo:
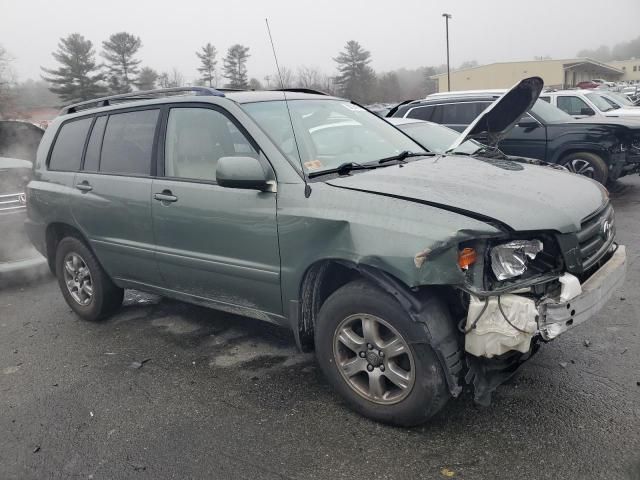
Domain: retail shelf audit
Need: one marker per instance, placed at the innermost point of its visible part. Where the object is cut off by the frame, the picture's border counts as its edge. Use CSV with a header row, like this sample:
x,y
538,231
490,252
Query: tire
x,y
587,164
73,262
423,396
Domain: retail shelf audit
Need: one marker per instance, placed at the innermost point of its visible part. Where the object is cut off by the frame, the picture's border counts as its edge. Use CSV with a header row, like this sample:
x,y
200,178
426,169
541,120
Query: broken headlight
x,y
510,259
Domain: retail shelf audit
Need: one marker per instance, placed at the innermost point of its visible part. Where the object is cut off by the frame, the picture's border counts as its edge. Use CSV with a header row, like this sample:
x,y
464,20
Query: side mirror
x,y
241,172
527,122
587,111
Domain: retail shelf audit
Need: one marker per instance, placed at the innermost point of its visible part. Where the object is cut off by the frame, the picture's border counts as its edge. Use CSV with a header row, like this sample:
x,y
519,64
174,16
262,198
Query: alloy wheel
x,y
77,277
581,167
374,359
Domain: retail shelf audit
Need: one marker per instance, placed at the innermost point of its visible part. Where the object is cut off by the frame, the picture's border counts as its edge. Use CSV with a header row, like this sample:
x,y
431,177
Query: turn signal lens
x,y
466,258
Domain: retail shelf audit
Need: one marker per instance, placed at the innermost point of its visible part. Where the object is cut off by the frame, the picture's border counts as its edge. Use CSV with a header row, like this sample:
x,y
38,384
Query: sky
x,y
400,33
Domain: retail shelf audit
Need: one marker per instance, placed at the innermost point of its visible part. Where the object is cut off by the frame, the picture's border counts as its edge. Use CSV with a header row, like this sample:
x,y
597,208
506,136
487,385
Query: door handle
x,y
84,186
165,196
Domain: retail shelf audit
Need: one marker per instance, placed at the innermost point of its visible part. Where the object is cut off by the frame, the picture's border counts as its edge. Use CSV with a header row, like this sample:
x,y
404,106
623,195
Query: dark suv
x,y
602,149
411,273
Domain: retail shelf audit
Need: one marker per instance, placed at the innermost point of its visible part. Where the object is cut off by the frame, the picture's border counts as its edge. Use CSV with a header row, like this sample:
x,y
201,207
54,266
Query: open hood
x,y
502,115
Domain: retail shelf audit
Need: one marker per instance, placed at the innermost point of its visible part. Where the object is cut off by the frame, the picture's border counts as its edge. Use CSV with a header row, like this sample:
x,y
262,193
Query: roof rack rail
x,y
299,90
142,95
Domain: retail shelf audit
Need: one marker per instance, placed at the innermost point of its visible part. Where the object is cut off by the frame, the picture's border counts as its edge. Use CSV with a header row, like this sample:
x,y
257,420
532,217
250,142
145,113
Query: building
x,y
630,69
555,73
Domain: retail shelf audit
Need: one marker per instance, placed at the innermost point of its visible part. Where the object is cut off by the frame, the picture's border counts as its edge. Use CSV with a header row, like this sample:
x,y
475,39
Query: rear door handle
x,y
165,196
84,186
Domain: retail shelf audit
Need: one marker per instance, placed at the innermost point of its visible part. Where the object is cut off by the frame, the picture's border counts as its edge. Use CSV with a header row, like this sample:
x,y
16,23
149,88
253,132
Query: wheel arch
x,y
54,233
324,277
595,149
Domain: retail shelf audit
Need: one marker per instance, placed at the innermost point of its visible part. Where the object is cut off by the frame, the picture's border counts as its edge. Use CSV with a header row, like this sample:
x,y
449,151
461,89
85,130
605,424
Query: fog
x,y
407,34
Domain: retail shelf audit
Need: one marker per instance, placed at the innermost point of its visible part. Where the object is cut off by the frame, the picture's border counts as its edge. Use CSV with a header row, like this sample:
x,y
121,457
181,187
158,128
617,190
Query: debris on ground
x,y
136,365
138,467
587,343
563,364
447,472
37,449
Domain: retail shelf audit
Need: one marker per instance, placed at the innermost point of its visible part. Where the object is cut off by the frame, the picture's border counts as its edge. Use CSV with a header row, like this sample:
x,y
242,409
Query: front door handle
x,y
165,196
84,186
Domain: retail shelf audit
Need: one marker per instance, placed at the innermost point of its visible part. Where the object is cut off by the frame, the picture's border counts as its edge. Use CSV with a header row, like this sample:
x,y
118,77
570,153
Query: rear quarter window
x,y
66,154
128,142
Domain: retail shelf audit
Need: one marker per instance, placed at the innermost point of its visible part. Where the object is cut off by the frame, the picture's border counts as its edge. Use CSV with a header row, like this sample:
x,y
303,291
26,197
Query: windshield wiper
x,y
342,169
402,155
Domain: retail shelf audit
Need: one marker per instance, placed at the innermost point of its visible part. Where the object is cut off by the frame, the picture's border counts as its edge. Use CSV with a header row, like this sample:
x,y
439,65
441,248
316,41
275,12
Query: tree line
x,y
79,76
620,51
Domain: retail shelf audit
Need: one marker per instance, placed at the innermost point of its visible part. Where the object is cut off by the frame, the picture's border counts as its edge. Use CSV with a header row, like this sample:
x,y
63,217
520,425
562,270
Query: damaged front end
x,y
527,290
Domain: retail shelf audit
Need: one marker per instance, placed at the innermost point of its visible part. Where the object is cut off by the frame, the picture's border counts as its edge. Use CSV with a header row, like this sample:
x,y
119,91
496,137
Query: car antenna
x,y
307,187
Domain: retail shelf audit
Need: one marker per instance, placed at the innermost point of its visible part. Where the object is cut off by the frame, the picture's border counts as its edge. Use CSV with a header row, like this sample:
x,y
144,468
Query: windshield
x,y
437,138
619,99
601,103
549,114
329,133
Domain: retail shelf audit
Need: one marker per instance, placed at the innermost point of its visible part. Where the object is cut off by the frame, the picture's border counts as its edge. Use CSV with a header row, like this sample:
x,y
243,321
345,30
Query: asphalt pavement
x,y
169,390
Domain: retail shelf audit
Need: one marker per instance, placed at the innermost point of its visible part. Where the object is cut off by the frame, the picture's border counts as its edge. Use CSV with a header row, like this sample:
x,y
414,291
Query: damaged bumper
x,y
557,317
502,332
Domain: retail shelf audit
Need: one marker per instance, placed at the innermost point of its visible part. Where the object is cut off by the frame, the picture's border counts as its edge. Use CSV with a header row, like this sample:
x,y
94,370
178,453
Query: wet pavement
x,y
168,390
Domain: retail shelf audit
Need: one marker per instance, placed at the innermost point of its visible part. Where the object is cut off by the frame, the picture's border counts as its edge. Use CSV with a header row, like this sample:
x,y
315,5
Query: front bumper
x,y
556,317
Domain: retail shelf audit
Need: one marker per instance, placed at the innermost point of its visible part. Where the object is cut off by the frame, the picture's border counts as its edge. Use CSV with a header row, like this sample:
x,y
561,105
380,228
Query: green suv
x,y
412,274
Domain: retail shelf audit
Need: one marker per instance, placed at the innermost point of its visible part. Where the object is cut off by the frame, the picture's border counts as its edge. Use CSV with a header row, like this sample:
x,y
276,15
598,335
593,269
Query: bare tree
x,y
288,79
309,77
171,79
6,81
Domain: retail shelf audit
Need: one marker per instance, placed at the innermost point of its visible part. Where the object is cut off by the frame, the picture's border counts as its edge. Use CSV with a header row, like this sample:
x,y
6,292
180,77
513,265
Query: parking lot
x,y
169,390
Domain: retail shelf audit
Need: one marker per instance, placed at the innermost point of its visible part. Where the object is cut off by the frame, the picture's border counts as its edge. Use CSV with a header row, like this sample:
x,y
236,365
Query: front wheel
x,y
377,357
587,164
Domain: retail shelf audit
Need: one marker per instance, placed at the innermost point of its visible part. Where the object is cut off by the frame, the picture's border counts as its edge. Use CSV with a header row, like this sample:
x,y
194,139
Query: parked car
x,y
586,103
440,139
619,100
411,275
601,148
18,144
588,84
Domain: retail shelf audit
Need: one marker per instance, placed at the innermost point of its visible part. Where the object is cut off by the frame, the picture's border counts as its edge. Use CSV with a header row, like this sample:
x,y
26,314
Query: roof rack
x,y
143,95
299,90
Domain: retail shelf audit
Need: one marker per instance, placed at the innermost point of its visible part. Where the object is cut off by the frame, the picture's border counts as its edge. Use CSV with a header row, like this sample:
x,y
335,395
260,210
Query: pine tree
x,y
235,66
119,52
147,79
356,79
208,65
78,77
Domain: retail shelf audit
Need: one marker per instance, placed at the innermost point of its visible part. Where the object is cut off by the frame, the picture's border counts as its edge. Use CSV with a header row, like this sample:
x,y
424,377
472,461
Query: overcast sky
x,y
400,33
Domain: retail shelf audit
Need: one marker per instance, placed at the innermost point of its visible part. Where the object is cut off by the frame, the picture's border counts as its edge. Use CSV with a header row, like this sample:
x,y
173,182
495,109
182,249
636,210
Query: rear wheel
x,y
587,164
377,357
84,284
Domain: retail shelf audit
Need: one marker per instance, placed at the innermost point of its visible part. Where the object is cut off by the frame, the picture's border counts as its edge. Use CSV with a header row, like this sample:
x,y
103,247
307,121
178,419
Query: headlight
x,y
510,259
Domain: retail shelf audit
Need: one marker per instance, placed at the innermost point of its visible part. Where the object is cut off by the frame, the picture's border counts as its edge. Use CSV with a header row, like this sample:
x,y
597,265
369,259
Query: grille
x,y
596,236
12,201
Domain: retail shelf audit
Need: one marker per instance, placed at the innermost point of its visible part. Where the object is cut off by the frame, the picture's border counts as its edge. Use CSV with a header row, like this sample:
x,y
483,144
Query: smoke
x,y
20,262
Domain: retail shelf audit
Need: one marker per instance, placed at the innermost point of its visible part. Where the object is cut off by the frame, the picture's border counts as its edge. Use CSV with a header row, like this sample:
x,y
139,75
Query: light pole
x,y
447,16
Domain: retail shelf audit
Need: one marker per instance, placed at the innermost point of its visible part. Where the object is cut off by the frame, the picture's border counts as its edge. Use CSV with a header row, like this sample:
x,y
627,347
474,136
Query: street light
x,y
447,16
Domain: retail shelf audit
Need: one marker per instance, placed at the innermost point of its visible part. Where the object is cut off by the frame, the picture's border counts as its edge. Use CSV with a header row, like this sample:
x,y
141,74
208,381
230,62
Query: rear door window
x,y
128,143
92,155
67,150
422,113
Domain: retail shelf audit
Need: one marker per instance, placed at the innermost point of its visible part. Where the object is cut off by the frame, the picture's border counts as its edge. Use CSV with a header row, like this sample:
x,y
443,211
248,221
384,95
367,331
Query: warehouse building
x,y
555,73
630,69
